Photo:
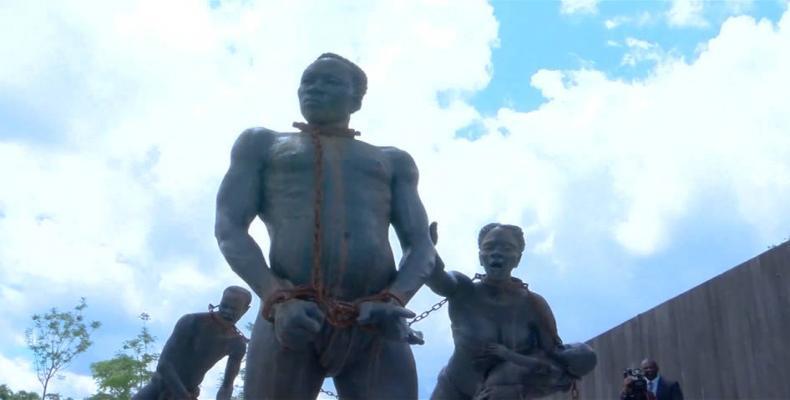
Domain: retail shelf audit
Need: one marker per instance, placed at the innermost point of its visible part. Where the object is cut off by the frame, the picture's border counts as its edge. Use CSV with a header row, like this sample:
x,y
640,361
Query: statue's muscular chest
x,y
295,156
213,343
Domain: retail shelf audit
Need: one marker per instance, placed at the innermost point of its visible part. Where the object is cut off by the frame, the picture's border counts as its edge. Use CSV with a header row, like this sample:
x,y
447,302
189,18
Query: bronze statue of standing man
x,y
332,295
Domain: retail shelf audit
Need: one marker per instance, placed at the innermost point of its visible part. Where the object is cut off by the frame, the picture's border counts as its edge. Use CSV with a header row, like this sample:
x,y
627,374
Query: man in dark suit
x,y
663,388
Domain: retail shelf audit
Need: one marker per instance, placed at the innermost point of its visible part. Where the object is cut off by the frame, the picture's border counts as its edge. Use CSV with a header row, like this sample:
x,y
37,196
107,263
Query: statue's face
x,y
326,93
499,253
233,306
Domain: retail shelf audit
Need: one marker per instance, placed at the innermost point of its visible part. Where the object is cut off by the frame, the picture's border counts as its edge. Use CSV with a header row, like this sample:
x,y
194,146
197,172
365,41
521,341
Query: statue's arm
x,y
232,369
529,362
238,202
441,282
176,346
548,339
547,331
409,220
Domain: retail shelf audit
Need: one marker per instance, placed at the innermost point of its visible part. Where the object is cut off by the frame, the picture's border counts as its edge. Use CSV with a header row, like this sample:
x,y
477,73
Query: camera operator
x,y
635,386
664,389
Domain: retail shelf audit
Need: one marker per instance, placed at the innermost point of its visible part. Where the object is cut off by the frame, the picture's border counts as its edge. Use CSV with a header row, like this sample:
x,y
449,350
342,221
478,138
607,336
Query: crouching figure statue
x,y
506,341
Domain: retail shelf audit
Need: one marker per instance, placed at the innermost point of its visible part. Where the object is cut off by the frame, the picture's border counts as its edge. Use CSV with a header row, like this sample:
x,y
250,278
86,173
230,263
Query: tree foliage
x,y
7,394
115,377
129,370
56,338
140,349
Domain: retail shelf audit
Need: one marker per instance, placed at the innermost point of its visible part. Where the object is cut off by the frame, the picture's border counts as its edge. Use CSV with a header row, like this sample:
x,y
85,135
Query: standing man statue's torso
x,y
333,295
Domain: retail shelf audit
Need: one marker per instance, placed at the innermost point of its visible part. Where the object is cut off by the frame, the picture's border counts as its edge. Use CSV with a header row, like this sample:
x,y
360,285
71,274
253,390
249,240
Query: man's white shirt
x,y
653,385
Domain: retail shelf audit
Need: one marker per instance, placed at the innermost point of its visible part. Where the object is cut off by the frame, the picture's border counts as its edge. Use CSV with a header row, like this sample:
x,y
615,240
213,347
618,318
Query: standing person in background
x,y
663,388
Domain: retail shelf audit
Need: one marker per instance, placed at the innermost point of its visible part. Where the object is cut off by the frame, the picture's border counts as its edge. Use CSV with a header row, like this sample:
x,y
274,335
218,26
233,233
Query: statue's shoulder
x,y
394,152
540,305
461,278
536,298
400,160
466,285
252,142
257,135
187,321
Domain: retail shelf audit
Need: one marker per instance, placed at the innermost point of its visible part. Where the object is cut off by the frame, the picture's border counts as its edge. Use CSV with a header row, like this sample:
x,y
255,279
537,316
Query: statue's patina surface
x,y
332,295
506,341
198,342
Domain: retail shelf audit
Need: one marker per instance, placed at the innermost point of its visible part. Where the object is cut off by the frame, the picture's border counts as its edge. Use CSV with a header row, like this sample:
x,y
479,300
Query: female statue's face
x,y
499,253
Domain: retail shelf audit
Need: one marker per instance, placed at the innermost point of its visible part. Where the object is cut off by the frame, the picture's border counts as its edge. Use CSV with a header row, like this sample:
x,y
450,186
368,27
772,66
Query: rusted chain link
x,y
438,305
316,276
329,393
428,312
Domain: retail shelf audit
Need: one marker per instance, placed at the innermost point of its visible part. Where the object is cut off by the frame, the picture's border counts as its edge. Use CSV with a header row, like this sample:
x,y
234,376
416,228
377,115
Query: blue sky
x,y
642,145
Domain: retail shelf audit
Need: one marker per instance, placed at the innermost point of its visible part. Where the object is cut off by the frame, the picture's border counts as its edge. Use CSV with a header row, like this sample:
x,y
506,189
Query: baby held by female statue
x,y
506,341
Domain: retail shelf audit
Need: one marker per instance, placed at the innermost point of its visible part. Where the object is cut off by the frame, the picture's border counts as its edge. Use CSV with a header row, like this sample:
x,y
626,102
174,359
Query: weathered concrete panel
x,y
728,338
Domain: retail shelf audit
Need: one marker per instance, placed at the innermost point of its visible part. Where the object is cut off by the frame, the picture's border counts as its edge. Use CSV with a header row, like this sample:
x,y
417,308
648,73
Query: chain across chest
x,y
340,158
338,313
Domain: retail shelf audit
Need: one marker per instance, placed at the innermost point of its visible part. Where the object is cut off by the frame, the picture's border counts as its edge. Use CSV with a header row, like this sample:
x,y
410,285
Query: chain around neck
x,y
325,130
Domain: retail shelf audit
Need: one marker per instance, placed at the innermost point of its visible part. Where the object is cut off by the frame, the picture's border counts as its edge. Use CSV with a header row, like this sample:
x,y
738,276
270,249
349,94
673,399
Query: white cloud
x,y
141,114
146,111
154,108
579,6
687,13
18,374
737,7
639,20
641,51
718,123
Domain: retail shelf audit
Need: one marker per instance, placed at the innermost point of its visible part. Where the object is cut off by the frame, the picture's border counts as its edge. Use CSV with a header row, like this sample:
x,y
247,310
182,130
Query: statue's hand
x,y
496,350
547,366
499,392
415,337
492,354
296,322
388,318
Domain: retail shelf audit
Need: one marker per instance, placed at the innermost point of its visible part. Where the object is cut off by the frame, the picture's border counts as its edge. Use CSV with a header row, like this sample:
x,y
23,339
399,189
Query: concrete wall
x,y
728,338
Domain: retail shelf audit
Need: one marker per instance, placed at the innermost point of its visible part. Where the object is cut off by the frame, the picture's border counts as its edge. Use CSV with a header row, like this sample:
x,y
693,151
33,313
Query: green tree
x,y
129,370
56,396
7,394
56,338
115,377
140,349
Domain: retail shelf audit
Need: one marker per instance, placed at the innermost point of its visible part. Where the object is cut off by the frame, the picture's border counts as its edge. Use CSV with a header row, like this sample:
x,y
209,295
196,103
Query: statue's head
x,y
331,90
500,249
235,302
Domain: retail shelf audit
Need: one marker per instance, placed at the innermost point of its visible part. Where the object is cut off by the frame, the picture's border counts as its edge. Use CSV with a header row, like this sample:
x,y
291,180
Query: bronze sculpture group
x,y
333,300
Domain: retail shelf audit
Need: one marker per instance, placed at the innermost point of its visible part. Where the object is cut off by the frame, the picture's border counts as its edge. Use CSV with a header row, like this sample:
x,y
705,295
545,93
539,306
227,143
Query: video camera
x,y
637,388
